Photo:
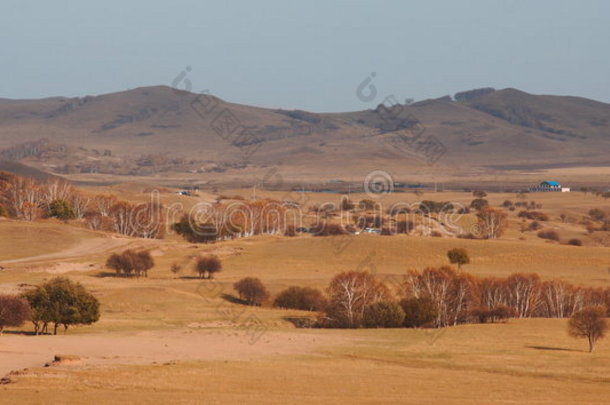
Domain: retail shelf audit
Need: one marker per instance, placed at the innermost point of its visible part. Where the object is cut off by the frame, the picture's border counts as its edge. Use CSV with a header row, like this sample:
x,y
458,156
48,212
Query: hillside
x,y
152,130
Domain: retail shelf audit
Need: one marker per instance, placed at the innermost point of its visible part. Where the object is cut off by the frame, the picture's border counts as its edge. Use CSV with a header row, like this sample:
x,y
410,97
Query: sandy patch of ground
x,y
19,351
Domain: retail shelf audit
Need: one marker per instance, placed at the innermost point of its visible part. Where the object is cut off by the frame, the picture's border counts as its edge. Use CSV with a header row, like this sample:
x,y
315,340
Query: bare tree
x,y
590,323
350,293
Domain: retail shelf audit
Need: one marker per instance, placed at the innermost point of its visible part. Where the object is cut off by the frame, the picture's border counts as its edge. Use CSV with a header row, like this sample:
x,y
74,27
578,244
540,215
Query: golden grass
x,y
530,361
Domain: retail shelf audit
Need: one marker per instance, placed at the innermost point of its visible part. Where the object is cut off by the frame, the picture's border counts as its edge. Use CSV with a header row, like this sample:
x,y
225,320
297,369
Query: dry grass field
x,y
174,337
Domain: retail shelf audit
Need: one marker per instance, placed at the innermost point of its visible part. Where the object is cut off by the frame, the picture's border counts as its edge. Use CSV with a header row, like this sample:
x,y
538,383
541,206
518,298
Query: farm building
x,y
550,186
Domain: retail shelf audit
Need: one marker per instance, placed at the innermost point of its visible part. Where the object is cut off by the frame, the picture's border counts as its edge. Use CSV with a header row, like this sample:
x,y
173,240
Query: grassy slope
x,y
531,360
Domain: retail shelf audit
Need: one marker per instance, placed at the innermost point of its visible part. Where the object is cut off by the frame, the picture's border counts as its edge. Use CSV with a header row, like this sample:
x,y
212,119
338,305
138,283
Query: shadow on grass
x,y
21,333
549,348
302,321
233,299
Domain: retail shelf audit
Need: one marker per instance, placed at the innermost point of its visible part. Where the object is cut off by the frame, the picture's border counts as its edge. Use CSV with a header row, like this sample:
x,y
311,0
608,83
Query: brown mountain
x,y
162,130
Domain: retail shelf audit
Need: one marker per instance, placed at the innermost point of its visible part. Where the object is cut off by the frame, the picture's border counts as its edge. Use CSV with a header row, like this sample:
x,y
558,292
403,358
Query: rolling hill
x,y
154,130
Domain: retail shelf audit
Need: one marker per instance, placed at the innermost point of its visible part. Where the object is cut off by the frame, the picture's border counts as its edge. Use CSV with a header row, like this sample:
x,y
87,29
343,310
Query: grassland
x,y
177,338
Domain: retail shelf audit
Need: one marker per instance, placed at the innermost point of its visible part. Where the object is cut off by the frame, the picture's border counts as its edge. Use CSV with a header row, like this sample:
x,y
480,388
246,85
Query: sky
x,y
317,55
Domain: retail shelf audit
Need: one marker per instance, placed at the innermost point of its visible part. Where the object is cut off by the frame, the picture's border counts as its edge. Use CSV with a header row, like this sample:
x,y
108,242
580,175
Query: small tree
x,y
251,290
14,311
62,302
458,256
590,323
206,266
383,314
479,194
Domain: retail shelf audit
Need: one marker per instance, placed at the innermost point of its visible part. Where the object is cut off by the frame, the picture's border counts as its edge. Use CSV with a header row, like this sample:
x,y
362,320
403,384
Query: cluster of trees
x,y
59,302
229,221
26,199
434,297
131,263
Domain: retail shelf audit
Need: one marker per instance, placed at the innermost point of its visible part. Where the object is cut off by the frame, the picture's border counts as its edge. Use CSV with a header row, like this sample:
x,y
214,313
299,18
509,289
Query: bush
x,y
404,226
251,290
500,312
534,226
131,263
301,298
206,266
290,231
386,232
195,232
14,311
367,204
383,314
575,242
533,215
61,209
418,312
62,302
346,204
479,203
549,234
327,229
3,212
597,214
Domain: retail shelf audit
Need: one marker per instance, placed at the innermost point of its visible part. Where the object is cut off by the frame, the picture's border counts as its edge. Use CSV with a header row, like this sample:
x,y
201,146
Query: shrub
x,y
61,209
597,214
534,226
301,298
62,302
195,232
418,312
290,231
346,204
328,229
175,268
385,231
131,263
383,314
251,290
549,234
500,312
367,204
575,242
206,266
3,212
533,215
14,311
479,203
404,226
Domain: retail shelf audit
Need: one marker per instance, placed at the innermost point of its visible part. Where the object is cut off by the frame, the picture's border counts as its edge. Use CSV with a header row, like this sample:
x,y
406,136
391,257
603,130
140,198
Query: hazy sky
x,y
306,54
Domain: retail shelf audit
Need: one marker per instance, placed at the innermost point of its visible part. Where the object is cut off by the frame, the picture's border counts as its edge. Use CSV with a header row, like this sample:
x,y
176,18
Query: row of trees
x,y
220,221
26,199
59,302
440,297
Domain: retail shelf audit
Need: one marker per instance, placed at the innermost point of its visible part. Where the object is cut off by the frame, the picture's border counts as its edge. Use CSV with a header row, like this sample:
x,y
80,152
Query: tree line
x,y
27,199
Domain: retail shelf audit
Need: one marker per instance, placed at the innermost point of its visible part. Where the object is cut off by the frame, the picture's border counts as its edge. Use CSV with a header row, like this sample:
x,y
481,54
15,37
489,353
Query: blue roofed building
x,y
550,186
